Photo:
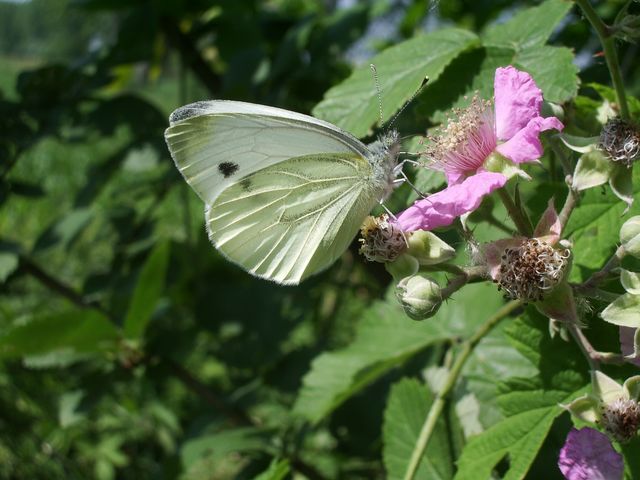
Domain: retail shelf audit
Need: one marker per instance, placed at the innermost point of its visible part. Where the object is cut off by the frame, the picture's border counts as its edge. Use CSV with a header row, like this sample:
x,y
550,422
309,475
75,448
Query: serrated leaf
x,y
147,292
530,27
530,404
553,70
593,228
592,169
386,338
353,104
75,331
519,437
624,311
407,408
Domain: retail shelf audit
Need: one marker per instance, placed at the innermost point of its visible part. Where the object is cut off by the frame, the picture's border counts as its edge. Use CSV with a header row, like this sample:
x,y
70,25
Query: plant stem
x,y
522,223
567,208
611,57
593,356
450,382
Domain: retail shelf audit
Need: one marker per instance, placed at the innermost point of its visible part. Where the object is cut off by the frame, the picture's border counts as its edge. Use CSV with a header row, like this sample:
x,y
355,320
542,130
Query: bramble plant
x,y
484,324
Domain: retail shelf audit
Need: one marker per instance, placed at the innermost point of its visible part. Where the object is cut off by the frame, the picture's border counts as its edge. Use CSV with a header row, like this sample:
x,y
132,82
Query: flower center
x,y
621,140
381,241
467,139
530,270
621,419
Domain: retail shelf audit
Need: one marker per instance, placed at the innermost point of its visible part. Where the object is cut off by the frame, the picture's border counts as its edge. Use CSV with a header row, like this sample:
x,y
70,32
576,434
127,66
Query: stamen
x,y
465,141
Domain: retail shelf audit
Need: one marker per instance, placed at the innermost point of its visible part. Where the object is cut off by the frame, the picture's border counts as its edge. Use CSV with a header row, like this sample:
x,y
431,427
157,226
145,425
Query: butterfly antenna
x,y
378,91
408,102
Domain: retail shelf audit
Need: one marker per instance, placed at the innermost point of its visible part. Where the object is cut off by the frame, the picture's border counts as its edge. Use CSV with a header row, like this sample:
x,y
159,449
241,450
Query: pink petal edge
x,y
588,454
517,100
442,208
525,145
549,228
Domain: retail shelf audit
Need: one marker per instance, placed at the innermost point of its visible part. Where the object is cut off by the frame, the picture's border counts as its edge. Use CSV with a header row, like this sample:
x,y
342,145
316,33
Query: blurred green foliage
x,y
129,347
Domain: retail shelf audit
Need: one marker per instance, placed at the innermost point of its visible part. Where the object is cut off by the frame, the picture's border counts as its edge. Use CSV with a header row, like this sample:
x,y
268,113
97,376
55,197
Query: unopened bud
x,y
428,249
419,295
630,236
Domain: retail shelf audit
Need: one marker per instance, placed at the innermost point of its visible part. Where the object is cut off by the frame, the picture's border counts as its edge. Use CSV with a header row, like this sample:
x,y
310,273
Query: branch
x,y
522,223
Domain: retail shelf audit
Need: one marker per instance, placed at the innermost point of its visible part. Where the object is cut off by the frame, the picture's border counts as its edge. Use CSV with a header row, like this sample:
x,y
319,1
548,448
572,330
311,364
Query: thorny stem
x,y
450,382
608,46
597,293
522,223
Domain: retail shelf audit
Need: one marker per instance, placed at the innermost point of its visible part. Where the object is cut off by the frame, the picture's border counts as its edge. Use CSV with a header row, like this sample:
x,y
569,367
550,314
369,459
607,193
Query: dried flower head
x,y
381,240
621,418
621,140
530,270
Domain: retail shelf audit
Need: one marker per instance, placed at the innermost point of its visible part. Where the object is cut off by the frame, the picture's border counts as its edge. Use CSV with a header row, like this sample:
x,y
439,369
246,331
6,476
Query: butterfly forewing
x,y
214,144
293,219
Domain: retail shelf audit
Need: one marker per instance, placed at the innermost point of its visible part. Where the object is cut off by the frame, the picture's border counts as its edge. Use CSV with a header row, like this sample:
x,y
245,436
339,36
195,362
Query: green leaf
x,y
593,228
624,311
386,338
553,70
530,404
213,447
278,470
621,184
530,27
8,263
75,331
65,229
353,104
579,144
407,408
147,292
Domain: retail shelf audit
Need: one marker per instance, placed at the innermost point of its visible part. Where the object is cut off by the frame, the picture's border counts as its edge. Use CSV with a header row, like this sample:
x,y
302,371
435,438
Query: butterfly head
x,y
384,158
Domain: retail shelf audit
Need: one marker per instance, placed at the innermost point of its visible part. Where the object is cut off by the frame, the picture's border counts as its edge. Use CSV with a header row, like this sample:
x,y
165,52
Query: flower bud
x,y
419,295
428,249
621,140
630,236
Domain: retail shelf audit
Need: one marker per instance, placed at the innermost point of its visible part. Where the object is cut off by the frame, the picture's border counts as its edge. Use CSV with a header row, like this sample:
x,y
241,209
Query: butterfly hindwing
x,y
292,219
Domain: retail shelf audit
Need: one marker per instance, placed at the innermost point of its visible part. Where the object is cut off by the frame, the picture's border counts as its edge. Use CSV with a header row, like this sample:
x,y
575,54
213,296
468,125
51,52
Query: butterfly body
x,y
284,193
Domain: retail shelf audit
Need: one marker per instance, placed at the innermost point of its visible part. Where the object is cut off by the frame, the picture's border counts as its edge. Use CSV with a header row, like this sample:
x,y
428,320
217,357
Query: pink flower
x,y
510,128
587,454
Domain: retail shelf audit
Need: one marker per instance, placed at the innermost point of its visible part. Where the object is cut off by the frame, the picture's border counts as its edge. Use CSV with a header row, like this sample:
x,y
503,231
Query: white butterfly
x,y
284,193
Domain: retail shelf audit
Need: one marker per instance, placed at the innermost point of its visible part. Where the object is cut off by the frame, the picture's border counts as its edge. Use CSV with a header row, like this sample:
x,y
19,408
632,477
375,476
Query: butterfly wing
x,y
295,218
285,193
216,143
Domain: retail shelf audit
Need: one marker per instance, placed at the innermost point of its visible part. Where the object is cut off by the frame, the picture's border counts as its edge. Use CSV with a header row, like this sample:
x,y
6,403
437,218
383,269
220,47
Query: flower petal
x,y
588,454
444,207
525,145
492,253
549,227
628,344
517,100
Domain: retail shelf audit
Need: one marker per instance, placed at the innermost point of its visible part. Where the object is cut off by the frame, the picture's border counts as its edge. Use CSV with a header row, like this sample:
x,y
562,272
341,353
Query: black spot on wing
x,y
227,168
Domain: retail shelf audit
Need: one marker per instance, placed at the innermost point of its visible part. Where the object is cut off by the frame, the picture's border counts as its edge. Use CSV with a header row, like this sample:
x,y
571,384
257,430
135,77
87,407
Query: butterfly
x,y
284,193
